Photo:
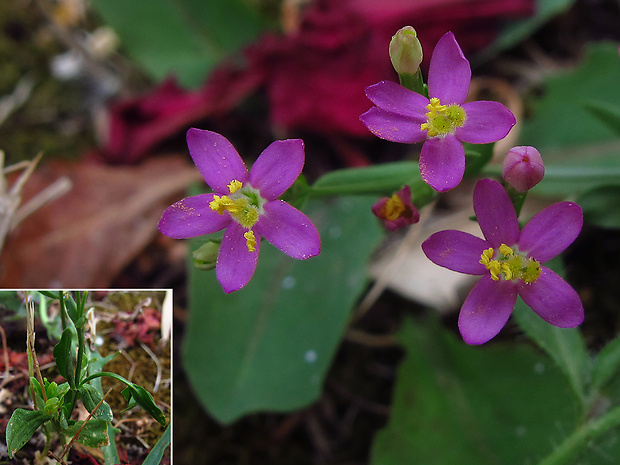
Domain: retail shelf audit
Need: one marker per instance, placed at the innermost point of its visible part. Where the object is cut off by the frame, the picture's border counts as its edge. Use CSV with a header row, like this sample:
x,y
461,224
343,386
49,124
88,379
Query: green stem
x,y
517,198
63,310
413,82
571,446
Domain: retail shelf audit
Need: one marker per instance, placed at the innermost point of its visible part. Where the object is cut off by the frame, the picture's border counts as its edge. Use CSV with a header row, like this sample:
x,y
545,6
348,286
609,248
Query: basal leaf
x,y
472,405
21,426
268,346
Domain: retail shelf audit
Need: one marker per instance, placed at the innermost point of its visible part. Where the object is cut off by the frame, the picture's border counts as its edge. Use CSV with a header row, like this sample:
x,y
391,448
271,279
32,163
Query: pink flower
x,y
443,121
397,211
245,204
510,263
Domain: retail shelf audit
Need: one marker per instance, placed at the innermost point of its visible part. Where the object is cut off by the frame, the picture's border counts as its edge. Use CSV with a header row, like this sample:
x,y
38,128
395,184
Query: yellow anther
x,y
505,250
234,186
486,256
221,204
250,241
495,269
507,271
393,208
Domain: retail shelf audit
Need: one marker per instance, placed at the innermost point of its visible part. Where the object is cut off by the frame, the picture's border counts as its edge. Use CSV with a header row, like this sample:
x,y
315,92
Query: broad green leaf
x,y
472,405
62,356
267,347
21,426
157,452
110,454
93,434
601,206
91,397
564,345
137,395
186,38
606,364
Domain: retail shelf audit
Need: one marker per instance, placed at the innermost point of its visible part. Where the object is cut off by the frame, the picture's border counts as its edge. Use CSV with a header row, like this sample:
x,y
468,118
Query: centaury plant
x,y
54,404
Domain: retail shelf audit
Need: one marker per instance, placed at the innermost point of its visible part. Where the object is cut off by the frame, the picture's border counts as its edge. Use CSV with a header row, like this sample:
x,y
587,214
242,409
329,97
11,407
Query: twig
x,y
157,362
33,362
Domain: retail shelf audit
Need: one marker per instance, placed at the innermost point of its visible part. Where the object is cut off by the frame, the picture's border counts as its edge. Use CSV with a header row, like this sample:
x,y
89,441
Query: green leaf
x,y
564,345
477,156
186,38
606,364
579,151
606,112
601,206
62,356
137,395
94,434
157,452
21,426
268,346
110,454
91,397
517,31
472,405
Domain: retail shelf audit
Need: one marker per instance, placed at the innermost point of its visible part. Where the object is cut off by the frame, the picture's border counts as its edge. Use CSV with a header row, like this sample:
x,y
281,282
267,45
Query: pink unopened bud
x,y
523,168
397,211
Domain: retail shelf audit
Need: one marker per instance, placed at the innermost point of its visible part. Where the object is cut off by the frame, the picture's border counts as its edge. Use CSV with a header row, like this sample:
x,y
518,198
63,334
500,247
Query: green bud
x,y
51,406
406,51
205,257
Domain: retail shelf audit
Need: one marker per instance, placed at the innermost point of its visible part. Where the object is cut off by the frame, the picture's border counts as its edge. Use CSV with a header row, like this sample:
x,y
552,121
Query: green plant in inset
x,y
55,403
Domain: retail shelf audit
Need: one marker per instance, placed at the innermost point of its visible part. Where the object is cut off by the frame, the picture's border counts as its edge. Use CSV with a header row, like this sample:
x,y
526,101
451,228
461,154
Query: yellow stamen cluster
x,y
393,208
239,206
510,265
442,120
250,240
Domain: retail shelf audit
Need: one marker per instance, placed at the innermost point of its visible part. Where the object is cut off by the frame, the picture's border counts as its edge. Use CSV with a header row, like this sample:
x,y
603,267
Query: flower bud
x,y
397,211
406,51
205,257
523,168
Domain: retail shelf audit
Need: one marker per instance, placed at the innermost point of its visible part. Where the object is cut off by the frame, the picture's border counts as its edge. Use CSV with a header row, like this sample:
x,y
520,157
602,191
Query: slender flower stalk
x,y
509,262
442,121
245,204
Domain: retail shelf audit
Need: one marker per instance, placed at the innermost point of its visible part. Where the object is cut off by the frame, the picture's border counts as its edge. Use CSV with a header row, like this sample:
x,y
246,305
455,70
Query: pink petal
x,y
449,72
551,230
456,250
486,309
216,159
442,163
553,299
392,126
192,217
486,122
289,230
495,213
395,98
235,263
277,168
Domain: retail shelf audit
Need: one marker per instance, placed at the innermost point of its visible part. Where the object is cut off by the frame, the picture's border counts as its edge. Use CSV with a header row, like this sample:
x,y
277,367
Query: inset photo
x,y
85,376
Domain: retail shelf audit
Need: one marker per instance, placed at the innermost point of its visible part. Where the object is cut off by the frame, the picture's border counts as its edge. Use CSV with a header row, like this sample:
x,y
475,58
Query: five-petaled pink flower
x,y
510,261
444,121
245,203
